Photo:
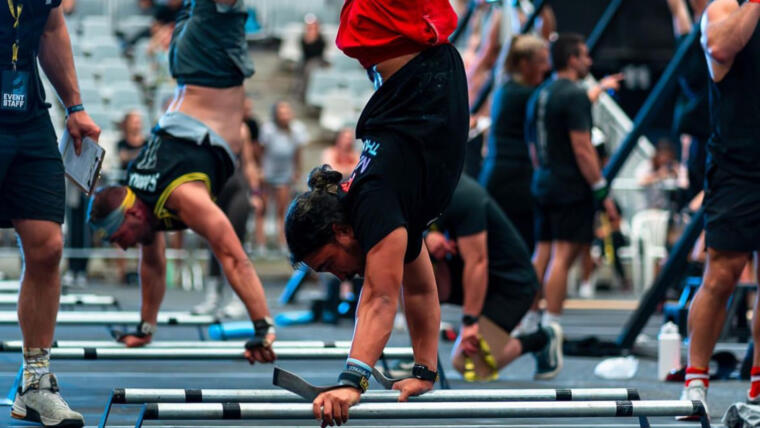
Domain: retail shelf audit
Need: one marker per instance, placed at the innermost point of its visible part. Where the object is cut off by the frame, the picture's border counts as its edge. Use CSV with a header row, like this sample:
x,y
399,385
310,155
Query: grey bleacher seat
x,y
86,69
90,7
343,62
130,26
358,82
111,72
91,97
87,82
338,110
126,8
290,46
124,96
96,30
106,51
102,118
321,82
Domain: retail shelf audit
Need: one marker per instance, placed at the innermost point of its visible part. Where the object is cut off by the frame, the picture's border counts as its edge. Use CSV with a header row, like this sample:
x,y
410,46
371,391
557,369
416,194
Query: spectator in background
x,y
312,51
281,140
68,7
132,140
659,176
342,156
507,169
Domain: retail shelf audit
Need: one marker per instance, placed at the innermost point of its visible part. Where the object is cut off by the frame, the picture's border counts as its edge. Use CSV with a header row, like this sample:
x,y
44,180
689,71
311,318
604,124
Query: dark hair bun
x,y
324,179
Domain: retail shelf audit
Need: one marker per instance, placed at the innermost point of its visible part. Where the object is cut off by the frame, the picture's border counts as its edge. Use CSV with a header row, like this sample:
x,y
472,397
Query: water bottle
x,y
668,350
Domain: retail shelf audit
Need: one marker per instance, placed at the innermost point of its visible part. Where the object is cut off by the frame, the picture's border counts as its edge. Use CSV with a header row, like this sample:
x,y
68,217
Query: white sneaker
x,y
213,300
586,290
42,403
696,391
235,309
399,322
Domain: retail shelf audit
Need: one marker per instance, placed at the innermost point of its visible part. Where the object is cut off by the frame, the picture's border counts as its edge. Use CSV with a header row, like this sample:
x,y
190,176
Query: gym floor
x,y
86,385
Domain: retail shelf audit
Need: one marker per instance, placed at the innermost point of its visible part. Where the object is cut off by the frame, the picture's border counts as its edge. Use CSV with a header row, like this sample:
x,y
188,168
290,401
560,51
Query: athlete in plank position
x,y
192,153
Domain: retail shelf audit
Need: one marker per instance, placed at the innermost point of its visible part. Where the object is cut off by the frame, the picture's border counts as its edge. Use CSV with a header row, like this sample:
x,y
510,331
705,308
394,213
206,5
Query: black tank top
x,y
735,114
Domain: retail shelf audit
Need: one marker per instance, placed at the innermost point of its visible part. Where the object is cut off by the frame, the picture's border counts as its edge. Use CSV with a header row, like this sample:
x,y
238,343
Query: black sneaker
x,y
549,359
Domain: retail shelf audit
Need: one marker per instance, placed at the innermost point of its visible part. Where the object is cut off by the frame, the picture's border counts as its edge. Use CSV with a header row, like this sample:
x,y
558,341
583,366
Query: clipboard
x,y
82,170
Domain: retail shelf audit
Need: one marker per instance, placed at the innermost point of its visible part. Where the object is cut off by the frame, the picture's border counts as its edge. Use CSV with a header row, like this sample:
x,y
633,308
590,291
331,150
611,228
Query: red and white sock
x,y
697,373
754,389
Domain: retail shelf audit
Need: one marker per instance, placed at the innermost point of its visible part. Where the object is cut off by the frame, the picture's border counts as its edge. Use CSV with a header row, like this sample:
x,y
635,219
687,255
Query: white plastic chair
x,y
648,236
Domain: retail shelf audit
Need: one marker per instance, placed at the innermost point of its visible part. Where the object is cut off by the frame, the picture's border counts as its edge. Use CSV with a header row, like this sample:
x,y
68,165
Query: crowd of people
x,y
400,213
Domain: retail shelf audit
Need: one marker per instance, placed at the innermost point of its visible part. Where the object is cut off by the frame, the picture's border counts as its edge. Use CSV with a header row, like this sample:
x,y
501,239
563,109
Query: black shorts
x,y
506,302
732,211
31,173
166,162
572,222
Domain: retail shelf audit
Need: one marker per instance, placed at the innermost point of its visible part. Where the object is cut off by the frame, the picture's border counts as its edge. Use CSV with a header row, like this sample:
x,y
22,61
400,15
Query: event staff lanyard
x,y
16,15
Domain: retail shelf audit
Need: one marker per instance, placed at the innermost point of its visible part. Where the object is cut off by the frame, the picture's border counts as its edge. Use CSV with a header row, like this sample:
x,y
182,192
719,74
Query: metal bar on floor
x,y
117,317
16,345
68,299
142,396
210,354
415,410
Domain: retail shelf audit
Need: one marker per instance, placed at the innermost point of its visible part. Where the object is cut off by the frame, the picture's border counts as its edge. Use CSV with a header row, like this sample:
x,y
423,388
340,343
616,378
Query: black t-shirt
x,y
473,211
735,108
34,16
507,137
253,128
383,194
556,108
313,49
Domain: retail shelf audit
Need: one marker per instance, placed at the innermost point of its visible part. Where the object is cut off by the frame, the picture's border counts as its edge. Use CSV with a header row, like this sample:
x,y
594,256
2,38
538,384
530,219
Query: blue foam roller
x,y
231,330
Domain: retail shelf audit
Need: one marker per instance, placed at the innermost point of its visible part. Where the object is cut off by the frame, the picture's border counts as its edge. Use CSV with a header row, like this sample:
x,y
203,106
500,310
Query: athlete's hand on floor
x,y
470,339
264,353
80,125
331,407
412,387
133,341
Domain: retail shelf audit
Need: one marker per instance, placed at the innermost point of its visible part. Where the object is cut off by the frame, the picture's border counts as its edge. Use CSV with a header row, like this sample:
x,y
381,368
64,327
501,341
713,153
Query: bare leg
x,y
42,245
261,236
541,258
708,309
282,196
555,288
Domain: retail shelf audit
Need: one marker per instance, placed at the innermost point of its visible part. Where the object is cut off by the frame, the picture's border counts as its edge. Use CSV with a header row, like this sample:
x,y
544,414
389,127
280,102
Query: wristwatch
x,y
421,372
468,320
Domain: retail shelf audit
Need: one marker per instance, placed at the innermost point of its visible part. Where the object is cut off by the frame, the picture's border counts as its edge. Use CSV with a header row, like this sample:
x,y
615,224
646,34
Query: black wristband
x,y
263,326
354,379
421,372
468,320
73,109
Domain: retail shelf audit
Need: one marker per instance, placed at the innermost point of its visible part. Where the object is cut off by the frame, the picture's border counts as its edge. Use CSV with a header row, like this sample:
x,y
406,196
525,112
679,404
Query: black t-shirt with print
x,y
473,211
384,194
556,108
